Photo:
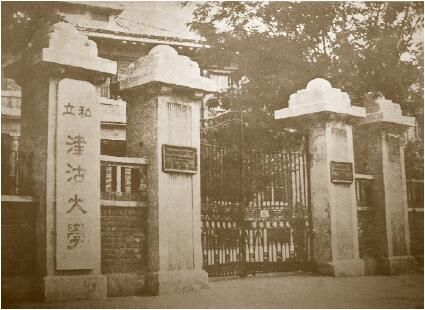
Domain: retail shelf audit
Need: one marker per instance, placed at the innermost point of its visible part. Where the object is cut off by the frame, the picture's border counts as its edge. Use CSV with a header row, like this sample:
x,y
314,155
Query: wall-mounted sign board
x,y
179,159
264,213
341,172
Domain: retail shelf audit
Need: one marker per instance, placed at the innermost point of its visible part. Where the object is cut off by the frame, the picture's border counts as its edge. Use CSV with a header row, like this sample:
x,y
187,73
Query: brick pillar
x,y
325,114
61,128
381,136
164,93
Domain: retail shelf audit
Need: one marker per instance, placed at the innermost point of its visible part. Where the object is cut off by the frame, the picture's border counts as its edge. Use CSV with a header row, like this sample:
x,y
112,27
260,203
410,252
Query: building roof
x,y
144,19
116,7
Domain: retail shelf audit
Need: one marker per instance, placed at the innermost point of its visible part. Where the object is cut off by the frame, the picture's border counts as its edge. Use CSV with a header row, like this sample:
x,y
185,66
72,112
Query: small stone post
x,y
61,128
381,135
164,93
325,115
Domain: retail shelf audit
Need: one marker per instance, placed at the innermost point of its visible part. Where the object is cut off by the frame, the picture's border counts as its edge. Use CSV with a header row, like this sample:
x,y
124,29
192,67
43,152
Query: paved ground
x,y
289,291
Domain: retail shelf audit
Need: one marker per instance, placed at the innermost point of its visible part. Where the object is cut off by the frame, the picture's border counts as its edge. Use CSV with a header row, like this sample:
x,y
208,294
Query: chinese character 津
x,y
76,144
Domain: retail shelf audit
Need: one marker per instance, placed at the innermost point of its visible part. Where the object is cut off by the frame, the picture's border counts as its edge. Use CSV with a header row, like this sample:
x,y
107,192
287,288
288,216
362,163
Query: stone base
x,y
58,288
343,268
176,281
125,284
397,265
370,266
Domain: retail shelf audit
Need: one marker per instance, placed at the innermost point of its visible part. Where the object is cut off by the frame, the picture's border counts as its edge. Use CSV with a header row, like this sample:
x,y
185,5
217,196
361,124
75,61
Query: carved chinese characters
x,y
77,175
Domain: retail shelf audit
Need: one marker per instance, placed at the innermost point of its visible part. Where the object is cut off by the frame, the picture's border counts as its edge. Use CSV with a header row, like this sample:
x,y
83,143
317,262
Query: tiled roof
x,y
138,26
141,19
108,5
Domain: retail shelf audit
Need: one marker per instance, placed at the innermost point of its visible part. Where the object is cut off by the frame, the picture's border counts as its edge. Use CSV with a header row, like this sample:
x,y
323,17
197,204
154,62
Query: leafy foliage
x,y
20,20
279,46
414,158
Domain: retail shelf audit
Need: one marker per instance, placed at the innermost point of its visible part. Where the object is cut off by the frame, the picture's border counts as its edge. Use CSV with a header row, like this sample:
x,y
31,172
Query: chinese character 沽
x,y
76,173
75,235
76,145
76,204
68,109
84,112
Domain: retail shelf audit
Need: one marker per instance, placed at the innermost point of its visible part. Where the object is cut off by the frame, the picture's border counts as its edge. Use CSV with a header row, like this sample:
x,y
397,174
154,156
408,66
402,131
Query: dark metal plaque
x,y
341,172
179,159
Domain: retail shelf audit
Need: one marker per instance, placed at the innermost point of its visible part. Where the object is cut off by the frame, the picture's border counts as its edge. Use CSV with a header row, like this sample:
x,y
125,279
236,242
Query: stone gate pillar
x,y
164,93
325,114
61,128
380,136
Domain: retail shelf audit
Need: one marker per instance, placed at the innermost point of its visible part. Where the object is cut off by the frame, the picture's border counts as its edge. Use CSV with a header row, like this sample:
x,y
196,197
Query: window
x,y
113,147
102,17
105,88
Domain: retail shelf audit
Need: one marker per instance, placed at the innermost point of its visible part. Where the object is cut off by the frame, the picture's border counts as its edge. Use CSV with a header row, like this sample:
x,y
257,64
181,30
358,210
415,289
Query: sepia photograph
x,y
212,154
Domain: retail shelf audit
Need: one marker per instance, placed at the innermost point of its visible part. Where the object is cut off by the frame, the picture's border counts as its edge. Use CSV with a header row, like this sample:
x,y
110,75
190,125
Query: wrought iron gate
x,y
255,210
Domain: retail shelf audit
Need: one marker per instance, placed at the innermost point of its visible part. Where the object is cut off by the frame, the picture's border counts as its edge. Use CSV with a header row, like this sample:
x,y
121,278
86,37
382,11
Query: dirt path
x,y
293,291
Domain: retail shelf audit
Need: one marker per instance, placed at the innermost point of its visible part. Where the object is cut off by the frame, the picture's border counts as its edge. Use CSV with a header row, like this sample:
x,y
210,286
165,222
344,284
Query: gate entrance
x,y
255,208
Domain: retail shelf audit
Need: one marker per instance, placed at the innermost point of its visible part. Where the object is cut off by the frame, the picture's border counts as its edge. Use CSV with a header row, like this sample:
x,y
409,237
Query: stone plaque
x,y
341,172
179,159
77,176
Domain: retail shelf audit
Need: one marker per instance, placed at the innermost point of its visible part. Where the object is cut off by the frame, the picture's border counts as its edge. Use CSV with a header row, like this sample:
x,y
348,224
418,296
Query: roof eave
x,y
116,35
113,9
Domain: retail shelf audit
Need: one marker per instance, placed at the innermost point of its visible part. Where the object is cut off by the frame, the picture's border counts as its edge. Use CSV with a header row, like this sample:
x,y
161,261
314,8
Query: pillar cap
x,y
317,98
164,65
63,45
380,110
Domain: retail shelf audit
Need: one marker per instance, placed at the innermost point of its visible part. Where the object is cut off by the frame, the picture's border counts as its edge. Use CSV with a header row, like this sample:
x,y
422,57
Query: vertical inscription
x,y
77,175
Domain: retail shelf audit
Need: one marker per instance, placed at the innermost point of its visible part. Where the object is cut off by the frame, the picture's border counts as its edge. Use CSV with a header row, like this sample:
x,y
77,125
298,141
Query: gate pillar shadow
x,y
164,92
325,115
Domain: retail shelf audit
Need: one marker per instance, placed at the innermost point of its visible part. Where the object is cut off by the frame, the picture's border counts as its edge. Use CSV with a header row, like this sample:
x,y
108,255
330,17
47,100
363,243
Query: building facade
x,y
108,190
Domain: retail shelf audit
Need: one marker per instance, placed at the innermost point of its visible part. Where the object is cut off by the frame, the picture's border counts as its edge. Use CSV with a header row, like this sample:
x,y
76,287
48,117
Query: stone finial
x,y
319,96
319,91
62,44
381,110
66,37
163,64
319,84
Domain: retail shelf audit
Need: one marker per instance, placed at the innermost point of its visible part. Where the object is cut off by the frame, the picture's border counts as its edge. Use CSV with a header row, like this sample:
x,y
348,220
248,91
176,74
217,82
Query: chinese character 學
x,y
84,112
76,145
75,235
76,173
76,204
68,109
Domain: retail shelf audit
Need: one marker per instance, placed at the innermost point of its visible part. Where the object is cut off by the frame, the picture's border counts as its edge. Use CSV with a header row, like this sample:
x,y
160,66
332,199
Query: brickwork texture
x,y
123,240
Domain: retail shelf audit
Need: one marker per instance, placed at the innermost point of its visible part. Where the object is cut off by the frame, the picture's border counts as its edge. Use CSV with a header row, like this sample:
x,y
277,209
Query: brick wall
x,y
123,232
18,251
367,241
18,243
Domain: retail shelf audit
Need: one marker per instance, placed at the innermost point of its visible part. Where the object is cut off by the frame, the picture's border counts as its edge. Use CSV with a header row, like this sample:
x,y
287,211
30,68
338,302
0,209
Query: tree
x,y
414,159
279,46
20,20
